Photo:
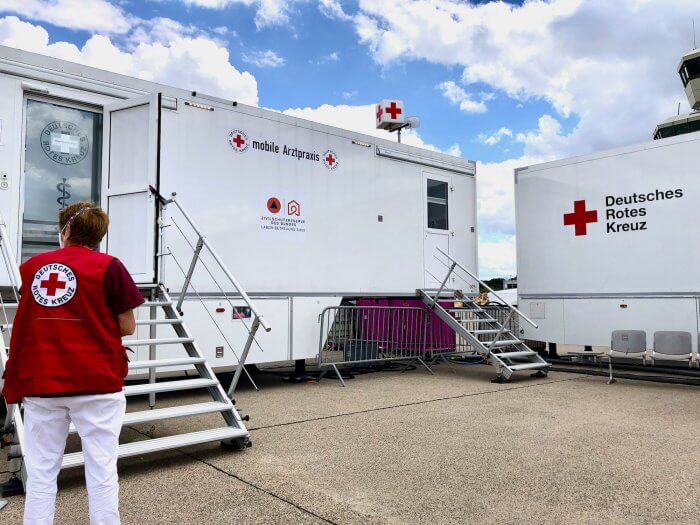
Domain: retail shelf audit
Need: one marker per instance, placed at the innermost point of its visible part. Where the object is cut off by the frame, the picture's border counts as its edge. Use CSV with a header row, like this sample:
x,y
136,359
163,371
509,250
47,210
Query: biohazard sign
x,y
54,285
284,218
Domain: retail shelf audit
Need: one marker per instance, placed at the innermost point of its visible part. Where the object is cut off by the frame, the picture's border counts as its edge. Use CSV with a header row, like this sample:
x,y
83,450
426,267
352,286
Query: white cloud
x,y
495,138
360,119
267,12
333,9
89,15
497,257
458,96
193,63
264,58
347,95
325,59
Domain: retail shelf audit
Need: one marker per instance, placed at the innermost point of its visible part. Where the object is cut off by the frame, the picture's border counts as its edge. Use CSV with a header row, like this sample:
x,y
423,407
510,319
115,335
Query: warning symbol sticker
x,y
274,205
284,217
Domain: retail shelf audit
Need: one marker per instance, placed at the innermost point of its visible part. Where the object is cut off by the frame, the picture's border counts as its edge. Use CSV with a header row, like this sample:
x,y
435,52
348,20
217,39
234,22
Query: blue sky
x,y
505,84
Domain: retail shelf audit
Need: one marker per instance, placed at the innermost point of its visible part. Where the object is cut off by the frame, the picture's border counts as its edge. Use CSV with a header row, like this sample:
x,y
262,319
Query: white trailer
x,y
608,242
304,214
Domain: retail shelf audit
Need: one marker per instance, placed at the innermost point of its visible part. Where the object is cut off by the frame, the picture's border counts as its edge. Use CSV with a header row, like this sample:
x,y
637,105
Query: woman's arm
x,y
127,322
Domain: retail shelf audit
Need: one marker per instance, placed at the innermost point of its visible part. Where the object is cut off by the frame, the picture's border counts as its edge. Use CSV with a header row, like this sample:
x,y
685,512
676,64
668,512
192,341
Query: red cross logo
x,y
330,159
394,111
580,217
52,284
379,113
238,140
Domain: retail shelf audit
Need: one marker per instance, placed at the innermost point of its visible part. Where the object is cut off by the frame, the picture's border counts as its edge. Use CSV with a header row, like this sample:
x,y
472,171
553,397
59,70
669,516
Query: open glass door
x,y
131,158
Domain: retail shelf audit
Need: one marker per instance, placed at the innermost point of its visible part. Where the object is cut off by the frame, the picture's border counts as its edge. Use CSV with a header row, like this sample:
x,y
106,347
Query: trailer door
x,y
131,164
437,228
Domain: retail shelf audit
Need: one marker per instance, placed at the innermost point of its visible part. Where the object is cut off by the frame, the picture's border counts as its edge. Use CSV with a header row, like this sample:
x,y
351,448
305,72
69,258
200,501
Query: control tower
x,y
689,70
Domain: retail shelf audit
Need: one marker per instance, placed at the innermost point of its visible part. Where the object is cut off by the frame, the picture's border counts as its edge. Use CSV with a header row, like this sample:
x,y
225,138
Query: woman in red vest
x,y
67,362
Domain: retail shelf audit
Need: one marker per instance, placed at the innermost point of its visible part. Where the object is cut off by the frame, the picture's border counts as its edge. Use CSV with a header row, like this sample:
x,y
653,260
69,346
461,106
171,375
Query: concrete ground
x,y
416,448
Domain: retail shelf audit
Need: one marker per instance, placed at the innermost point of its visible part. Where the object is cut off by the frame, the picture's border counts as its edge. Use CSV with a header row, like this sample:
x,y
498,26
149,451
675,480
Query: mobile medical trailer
x,y
306,215
608,242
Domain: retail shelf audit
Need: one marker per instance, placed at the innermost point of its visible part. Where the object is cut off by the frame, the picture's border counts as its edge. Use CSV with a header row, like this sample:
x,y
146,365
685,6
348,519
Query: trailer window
x,y
437,205
63,156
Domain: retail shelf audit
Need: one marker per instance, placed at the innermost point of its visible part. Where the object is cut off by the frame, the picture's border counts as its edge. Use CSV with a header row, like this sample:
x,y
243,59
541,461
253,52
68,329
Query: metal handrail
x,y
204,242
457,264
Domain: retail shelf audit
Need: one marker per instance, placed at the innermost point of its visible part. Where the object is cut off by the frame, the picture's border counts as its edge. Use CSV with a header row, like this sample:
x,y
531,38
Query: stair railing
x,y
456,264
201,243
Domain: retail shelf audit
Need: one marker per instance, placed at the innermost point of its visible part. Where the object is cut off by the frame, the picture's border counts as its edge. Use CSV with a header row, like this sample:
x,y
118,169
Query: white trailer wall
x,y
636,265
363,220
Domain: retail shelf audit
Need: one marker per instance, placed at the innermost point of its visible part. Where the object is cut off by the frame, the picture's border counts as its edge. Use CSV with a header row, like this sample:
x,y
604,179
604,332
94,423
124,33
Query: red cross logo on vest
x,y
580,218
330,159
394,111
238,140
53,285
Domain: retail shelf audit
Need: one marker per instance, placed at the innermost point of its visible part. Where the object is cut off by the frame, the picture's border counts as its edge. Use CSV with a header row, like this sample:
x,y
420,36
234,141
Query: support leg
x,y
611,380
447,362
337,372
426,366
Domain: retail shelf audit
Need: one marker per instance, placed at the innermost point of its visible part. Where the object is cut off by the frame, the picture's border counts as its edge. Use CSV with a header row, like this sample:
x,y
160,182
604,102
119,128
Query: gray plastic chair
x,y
630,344
675,346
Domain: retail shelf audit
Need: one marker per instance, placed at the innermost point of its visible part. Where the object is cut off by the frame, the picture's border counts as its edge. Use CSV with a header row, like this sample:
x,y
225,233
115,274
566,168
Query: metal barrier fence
x,y
364,334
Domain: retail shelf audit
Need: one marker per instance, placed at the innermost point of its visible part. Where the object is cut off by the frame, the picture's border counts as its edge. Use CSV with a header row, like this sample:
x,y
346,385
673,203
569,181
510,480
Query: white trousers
x,y
98,420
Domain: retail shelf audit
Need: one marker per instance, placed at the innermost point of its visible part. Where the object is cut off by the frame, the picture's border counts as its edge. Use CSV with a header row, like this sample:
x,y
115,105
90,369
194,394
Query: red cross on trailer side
x,y
580,218
330,159
238,141
380,112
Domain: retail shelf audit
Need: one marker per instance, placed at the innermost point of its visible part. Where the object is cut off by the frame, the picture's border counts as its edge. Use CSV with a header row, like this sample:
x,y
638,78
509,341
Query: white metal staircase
x,y
165,327
486,336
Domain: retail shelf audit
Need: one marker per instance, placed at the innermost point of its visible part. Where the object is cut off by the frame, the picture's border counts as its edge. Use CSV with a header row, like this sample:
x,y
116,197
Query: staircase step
x,y
505,342
511,355
156,445
490,331
157,363
164,341
478,320
140,322
528,366
158,414
148,304
169,386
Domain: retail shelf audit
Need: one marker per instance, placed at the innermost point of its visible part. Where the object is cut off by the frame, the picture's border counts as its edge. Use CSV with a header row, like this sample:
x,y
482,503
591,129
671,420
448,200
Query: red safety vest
x,y
65,339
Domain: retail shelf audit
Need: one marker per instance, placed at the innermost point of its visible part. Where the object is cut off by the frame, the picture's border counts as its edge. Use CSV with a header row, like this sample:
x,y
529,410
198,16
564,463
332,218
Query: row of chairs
x,y
668,346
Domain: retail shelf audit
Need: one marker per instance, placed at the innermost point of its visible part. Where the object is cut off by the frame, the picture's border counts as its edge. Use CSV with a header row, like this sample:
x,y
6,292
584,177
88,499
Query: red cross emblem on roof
x,y
580,218
52,284
393,110
379,113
